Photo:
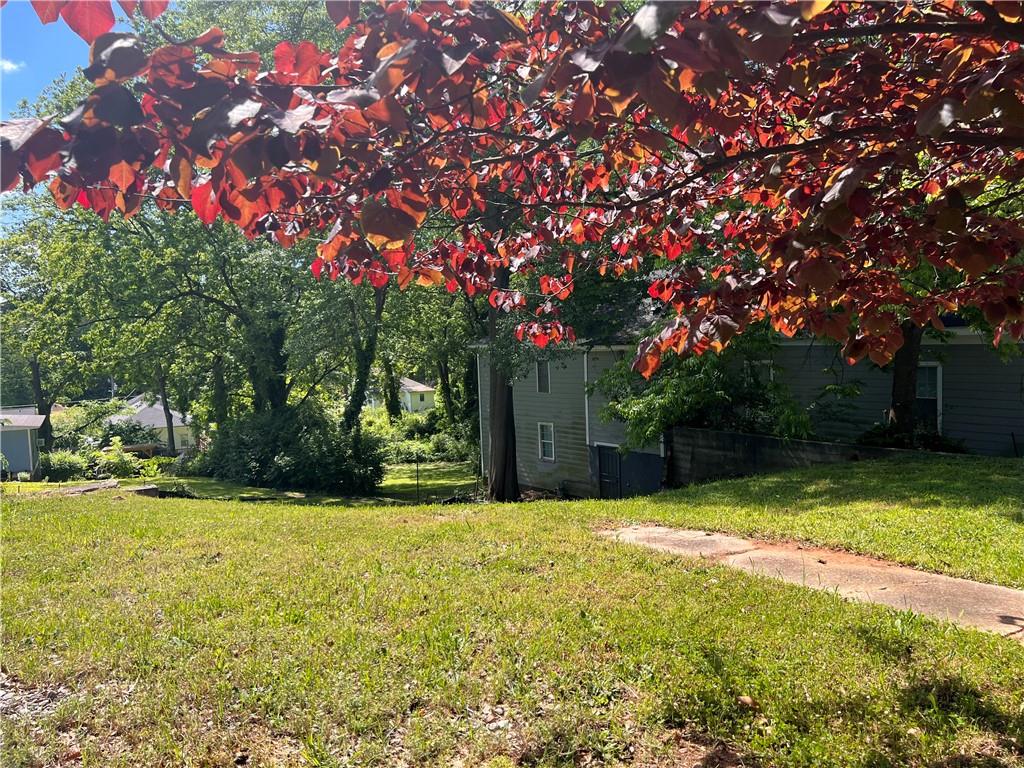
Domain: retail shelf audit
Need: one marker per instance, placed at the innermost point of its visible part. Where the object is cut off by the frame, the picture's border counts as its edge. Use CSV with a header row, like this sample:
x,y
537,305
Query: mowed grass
x,y
407,483
192,632
963,516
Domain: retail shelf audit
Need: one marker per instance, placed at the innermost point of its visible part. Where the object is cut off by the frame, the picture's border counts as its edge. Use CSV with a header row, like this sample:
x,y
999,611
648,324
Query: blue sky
x,y
33,54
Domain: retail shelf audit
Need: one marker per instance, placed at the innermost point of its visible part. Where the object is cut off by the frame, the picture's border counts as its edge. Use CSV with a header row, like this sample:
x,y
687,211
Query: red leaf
x,y
48,11
123,175
317,267
205,204
153,8
89,20
128,6
343,12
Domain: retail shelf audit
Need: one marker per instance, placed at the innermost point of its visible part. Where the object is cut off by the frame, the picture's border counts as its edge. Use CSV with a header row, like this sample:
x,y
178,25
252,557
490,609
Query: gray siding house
x,y
19,441
561,443
965,391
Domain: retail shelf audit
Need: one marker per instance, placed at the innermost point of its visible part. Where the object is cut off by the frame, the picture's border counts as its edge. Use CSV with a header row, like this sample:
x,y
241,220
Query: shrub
x,y
24,477
295,447
59,466
157,466
419,436
418,425
115,461
405,451
447,447
130,431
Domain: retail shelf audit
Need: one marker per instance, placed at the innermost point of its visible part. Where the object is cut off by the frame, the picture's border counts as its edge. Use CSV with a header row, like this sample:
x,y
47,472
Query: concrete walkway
x,y
856,577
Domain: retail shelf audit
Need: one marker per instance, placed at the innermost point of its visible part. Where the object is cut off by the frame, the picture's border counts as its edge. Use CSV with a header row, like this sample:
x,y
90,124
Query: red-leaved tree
x,y
877,147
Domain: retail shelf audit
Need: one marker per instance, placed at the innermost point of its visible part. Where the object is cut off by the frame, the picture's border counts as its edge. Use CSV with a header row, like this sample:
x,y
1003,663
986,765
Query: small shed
x,y
19,442
415,396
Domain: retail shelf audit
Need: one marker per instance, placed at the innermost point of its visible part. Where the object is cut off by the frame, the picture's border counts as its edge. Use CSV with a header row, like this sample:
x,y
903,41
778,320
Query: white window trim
x,y
938,389
540,442
536,372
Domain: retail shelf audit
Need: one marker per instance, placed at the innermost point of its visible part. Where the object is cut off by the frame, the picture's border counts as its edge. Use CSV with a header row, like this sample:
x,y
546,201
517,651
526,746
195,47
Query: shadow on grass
x,y
437,481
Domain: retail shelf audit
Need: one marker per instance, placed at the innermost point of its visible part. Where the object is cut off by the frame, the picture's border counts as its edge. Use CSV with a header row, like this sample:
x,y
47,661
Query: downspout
x,y
480,414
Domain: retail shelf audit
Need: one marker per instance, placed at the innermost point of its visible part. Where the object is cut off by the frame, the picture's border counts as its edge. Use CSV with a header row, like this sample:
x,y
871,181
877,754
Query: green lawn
x,y
189,631
962,516
437,481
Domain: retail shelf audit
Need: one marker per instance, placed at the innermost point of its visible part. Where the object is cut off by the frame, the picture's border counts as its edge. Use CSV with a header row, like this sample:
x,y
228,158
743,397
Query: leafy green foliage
x,y
732,391
156,466
294,447
84,425
62,465
129,432
424,436
115,461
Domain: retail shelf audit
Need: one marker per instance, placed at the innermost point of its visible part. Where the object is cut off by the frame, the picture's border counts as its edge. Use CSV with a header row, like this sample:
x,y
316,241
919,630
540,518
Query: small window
x,y
546,441
422,397
928,404
543,377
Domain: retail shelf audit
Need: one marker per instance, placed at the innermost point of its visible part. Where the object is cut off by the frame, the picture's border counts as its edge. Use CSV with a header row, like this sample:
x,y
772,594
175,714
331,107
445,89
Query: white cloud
x,y
7,66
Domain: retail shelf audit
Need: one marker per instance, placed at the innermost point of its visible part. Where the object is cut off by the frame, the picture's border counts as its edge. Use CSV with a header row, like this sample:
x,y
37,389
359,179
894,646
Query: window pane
x,y
546,434
928,381
543,377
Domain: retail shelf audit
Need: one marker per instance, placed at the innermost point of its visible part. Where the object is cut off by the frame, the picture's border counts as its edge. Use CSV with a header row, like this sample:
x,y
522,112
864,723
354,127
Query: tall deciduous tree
x,y
42,324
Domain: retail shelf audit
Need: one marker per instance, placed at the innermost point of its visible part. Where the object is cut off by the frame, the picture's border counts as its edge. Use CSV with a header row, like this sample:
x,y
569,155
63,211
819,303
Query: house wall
x,y
19,448
563,406
411,401
182,437
611,431
574,471
982,396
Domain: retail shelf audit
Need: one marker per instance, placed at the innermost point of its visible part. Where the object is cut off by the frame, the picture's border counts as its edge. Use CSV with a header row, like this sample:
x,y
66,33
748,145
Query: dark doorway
x,y
609,472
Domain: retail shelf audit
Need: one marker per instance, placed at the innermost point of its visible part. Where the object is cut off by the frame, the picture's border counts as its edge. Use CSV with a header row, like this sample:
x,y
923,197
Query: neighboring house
x,y
19,441
562,445
21,410
149,412
964,391
414,396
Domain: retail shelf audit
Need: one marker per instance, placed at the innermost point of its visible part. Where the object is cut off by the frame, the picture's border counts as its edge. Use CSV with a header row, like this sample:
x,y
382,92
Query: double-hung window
x,y
543,377
928,404
545,441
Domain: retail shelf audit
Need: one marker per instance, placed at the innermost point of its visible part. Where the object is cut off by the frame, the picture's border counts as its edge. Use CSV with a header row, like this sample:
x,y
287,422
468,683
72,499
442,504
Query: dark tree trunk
x,y
44,404
220,392
444,384
366,352
502,475
268,371
904,379
391,401
161,382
